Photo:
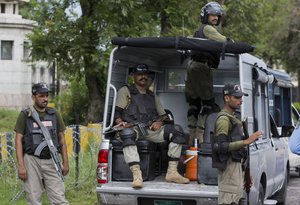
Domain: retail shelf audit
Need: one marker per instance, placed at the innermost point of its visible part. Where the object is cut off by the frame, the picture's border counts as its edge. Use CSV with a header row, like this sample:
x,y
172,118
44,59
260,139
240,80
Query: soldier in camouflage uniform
x,y
229,147
138,103
199,82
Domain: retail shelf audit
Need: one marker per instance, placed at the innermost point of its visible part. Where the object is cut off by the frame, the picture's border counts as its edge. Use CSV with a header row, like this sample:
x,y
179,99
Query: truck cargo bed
x,y
158,188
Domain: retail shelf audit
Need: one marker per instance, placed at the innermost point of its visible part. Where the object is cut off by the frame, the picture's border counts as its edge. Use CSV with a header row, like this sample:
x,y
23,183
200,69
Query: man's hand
x,y
251,183
156,126
22,173
121,124
253,137
65,170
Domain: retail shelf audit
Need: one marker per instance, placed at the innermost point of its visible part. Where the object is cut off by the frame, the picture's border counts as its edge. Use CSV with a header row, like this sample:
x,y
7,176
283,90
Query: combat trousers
x,y
42,176
230,183
131,153
199,82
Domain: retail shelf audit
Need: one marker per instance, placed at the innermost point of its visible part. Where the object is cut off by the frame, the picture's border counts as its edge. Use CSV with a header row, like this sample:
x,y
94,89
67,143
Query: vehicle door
x,y
279,148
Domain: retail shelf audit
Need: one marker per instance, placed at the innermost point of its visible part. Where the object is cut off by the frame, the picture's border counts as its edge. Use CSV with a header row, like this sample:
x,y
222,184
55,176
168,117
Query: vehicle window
x,y
274,131
222,77
176,79
295,116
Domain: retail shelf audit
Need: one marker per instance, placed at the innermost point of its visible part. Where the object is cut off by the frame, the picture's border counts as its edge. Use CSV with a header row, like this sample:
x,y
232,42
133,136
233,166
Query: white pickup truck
x,y
268,103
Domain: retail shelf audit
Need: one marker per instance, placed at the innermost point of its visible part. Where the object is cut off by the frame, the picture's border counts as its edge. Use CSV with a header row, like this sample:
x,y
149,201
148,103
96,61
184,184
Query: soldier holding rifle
x,y
136,103
229,147
39,136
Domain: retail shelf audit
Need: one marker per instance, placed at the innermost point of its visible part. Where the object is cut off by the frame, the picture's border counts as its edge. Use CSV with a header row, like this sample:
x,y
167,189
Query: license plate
x,y
167,202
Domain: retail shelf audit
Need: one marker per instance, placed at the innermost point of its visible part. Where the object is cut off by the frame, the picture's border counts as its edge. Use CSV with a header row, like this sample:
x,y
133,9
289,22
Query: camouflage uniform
x,y
230,181
199,83
130,152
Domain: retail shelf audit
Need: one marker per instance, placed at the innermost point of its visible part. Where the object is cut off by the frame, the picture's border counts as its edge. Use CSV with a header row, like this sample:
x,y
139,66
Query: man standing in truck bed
x,y
199,82
138,103
228,145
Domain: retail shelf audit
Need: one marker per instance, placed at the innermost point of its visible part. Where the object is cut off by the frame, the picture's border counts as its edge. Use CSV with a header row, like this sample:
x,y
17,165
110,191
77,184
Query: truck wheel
x,y
261,195
280,196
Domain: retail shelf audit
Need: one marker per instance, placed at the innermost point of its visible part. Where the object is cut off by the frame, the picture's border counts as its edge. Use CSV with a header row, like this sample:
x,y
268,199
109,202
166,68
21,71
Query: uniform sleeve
x,y
159,108
60,123
122,97
222,126
211,33
21,123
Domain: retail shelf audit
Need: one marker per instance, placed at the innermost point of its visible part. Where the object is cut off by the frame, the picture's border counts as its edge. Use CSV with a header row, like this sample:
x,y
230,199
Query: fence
x,y
82,145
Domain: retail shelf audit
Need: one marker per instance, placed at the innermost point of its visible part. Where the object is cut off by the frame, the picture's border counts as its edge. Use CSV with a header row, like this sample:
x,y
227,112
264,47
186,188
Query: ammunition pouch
x,y
142,128
220,153
128,136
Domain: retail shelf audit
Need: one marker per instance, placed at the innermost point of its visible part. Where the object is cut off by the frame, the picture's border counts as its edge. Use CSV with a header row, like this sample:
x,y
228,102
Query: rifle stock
x,y
247,177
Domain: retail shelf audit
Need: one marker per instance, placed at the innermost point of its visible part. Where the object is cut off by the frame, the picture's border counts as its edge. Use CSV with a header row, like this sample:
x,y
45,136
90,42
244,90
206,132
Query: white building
x,y
16,74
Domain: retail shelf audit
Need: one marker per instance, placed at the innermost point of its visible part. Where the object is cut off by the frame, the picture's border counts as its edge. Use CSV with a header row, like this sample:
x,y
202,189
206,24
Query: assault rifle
x,y
48,141
141,126
247,177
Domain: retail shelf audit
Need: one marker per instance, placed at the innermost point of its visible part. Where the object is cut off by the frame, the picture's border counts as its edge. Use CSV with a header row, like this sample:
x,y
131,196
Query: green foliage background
x,y
73,102
80,45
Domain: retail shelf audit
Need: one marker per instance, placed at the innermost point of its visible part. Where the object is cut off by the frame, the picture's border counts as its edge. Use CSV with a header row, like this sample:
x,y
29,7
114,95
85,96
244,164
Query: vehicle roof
x,y
184,43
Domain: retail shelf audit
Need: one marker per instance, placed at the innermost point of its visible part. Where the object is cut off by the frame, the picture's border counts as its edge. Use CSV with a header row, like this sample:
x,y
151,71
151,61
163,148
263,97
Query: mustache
x,y
143,79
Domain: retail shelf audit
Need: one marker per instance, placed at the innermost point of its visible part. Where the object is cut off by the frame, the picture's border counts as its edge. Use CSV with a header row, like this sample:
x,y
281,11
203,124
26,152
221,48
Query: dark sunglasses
x,y
141,68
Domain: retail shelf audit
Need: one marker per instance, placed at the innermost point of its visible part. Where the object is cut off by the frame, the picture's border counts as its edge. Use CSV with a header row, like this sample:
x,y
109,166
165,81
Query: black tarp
x,y
184,43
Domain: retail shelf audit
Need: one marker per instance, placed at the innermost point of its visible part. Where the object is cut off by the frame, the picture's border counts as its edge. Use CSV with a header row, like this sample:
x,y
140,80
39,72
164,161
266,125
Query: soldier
x,y
228,147
138,103
38,172
199,82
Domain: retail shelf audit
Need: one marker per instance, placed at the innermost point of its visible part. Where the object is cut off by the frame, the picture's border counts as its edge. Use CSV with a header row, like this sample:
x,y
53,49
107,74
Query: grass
x,y
78,192
8,120
84,193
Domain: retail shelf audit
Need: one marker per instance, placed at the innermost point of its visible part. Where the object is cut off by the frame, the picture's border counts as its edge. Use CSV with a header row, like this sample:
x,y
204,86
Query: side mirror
x,y
287,130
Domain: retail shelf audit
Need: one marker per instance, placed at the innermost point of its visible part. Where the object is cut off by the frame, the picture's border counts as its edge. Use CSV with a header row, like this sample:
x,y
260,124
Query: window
x,y
2,8
14,9
176,79
6,50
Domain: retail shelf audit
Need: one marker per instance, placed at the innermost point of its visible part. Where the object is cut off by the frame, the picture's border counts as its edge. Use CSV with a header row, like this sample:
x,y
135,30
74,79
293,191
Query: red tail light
x,y
102,168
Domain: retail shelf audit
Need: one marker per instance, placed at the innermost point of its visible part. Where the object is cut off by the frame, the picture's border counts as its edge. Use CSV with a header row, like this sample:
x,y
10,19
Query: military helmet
x,y
213,8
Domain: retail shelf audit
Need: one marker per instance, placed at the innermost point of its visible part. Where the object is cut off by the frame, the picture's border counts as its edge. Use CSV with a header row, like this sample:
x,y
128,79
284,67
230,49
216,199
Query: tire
x,y
261,195
280,195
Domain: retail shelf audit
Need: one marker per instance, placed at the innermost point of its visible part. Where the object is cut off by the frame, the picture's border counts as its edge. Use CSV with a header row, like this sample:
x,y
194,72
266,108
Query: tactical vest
x,y
211,58
235,134
33,136
141,107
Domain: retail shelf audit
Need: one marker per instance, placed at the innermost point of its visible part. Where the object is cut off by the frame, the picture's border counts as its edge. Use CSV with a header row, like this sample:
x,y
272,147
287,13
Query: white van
x,y
268,156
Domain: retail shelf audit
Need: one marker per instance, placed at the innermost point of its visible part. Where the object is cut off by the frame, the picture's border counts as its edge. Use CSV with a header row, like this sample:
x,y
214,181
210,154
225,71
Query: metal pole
x,y
76,149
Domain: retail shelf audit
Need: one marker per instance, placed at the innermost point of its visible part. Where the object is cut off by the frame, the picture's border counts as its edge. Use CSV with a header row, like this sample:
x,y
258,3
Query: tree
x,y
80,44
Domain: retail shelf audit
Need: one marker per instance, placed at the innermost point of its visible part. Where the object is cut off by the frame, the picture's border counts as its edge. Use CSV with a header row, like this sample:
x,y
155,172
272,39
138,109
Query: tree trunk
x,y
93,73
96,100
165,26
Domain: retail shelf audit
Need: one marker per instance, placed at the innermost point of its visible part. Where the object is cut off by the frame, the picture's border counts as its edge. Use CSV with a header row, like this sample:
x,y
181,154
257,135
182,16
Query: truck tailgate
x,y
163,189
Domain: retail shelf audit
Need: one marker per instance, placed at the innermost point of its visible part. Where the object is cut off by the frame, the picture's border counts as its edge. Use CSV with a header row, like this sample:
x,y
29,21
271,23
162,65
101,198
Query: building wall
x,y
15,73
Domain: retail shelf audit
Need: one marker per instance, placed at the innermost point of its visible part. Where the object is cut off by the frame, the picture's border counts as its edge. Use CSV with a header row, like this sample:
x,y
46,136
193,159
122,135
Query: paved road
x,y
293,196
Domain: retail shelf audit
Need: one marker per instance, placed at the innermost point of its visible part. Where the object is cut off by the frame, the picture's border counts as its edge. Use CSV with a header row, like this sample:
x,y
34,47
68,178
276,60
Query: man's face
x,y
213,19
40,100
141,79
234,102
